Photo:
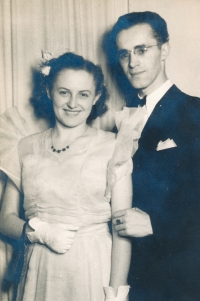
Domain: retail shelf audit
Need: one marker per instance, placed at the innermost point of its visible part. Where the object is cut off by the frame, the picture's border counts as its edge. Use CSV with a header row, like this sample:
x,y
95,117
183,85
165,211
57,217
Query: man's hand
x,y
132,222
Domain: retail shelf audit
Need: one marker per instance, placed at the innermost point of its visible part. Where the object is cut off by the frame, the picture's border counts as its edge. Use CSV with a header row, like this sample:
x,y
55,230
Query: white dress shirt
x,y
153,98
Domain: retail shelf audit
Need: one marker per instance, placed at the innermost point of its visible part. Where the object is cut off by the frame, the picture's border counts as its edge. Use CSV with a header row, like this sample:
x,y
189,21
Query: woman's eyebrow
x,y
85,91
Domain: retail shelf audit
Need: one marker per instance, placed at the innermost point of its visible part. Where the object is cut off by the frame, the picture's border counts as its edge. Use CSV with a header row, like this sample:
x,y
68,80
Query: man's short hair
x,y
157,23
159,30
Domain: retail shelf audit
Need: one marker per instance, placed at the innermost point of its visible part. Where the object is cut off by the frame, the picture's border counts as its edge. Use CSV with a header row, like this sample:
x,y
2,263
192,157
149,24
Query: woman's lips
x,y
71,113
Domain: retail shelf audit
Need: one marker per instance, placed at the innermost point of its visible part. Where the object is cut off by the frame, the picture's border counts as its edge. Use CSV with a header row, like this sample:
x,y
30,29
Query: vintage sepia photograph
x,y
99,150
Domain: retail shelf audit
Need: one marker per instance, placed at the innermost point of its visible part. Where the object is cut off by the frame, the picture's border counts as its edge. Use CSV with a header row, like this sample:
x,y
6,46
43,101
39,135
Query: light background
x,y
27,26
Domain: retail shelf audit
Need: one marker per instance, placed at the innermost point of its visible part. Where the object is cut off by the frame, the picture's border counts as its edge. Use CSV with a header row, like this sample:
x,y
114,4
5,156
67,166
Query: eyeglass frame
x,y
136,48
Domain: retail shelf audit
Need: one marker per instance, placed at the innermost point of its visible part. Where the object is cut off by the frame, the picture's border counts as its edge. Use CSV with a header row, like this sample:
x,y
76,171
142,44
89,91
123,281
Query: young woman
x,y
62,173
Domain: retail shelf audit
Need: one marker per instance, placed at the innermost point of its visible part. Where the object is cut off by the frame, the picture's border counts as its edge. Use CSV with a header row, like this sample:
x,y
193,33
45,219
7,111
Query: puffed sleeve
x,y
130,123
12,128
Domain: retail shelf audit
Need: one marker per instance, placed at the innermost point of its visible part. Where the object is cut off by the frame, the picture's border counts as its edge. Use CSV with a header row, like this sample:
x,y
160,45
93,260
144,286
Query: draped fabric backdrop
x,y
29,26
56,26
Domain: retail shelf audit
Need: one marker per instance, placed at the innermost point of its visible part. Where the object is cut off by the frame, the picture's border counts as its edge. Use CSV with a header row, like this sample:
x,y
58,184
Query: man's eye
x,y
141,50
123,55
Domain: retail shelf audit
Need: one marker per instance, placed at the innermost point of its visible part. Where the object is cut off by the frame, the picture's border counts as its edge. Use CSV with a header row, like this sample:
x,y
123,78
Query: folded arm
x,y
58,237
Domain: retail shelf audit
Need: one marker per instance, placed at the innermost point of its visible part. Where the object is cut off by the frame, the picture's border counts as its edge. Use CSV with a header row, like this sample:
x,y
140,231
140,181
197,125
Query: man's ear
x,y
96,98
165,51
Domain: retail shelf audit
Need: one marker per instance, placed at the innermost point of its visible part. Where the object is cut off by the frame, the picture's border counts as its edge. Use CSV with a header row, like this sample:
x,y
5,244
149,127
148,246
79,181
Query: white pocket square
x,y
169,143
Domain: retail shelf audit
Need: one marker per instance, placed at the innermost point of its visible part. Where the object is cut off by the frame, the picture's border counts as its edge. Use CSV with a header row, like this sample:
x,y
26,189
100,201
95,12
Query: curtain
x,y
183,22
29,26
56,26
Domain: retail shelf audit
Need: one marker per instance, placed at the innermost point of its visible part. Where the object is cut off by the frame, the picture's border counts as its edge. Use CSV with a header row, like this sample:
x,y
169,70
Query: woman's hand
x,y
58,237
122,293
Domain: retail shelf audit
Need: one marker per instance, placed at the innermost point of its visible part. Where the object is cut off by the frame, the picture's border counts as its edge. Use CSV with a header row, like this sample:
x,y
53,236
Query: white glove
x,y
122,293
58,237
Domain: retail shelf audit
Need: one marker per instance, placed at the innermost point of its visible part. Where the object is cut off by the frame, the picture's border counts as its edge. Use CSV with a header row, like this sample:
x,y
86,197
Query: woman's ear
x,y
96,98
165,51
48,93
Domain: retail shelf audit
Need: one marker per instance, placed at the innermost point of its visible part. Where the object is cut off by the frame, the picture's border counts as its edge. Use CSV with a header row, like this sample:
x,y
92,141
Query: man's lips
x,y
136,73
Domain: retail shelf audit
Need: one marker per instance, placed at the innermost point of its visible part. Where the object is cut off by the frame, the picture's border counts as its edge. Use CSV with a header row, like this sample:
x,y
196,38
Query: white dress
x,y
68,190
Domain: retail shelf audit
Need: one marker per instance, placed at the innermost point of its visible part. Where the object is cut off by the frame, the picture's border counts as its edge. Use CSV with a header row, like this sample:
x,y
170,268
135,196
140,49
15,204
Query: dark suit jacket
x,y
166,265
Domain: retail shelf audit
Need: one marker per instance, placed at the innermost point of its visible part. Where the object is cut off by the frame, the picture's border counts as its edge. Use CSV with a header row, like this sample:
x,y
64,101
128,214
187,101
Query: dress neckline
x,y
79,145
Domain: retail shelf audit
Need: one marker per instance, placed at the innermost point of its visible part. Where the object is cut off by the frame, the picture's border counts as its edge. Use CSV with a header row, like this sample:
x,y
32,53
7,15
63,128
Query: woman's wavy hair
x,y
72,61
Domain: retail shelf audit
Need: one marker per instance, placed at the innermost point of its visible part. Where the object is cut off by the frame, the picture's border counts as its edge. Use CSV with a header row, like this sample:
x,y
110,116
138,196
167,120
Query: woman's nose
x,y
72,102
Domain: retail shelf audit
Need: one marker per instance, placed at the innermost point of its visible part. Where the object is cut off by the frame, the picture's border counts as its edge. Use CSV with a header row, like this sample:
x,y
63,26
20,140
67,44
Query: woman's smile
x,y
73,95
71,113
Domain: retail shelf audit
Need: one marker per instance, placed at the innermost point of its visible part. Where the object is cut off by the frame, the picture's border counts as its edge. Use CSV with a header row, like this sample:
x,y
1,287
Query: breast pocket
x,y
167,161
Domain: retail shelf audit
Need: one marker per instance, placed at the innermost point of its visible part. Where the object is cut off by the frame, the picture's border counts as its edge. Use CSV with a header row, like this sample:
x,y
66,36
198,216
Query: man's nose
x,y
133,59
72,103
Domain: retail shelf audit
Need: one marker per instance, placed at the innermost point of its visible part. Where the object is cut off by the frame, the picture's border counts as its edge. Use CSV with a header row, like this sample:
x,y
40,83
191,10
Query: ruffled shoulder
x,y
129,122
12,128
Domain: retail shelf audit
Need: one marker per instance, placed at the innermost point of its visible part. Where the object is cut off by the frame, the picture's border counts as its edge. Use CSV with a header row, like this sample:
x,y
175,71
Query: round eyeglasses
x,y
139,51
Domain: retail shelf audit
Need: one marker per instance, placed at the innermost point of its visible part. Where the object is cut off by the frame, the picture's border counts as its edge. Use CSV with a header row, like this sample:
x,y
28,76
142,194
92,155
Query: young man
x,y
166,177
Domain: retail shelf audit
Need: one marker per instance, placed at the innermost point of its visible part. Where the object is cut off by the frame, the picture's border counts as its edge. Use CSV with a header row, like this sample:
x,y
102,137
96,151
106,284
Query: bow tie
x,y
136,101
143,101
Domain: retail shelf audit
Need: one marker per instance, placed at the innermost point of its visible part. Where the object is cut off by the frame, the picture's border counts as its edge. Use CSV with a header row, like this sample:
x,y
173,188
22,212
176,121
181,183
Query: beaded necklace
x,y
66,147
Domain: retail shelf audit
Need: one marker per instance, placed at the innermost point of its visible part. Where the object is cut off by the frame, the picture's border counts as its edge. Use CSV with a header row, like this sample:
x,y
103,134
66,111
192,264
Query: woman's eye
x,y
64,92
84,95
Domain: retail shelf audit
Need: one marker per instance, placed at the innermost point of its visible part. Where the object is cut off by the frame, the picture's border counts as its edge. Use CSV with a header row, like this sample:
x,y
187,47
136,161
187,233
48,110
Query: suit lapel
x,y
161,122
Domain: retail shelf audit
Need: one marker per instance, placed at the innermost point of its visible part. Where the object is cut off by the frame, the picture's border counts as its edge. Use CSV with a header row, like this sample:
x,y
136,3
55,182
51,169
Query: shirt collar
x,y
153,98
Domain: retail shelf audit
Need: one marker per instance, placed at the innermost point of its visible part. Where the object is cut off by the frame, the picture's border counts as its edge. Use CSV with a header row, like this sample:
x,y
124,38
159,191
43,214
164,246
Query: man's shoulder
x,y
178,95
182,108
178,102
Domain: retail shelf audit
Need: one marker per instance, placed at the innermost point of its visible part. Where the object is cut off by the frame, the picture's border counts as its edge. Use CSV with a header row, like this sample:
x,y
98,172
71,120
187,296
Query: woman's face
x,y
73,95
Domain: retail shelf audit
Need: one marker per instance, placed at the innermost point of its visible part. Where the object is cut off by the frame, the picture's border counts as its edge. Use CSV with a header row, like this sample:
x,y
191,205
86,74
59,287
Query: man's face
x,y
145,69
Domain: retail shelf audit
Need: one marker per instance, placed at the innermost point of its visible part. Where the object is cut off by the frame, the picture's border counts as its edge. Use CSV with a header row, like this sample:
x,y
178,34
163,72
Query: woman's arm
x,y
10,223
58,237
3,180
121,248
